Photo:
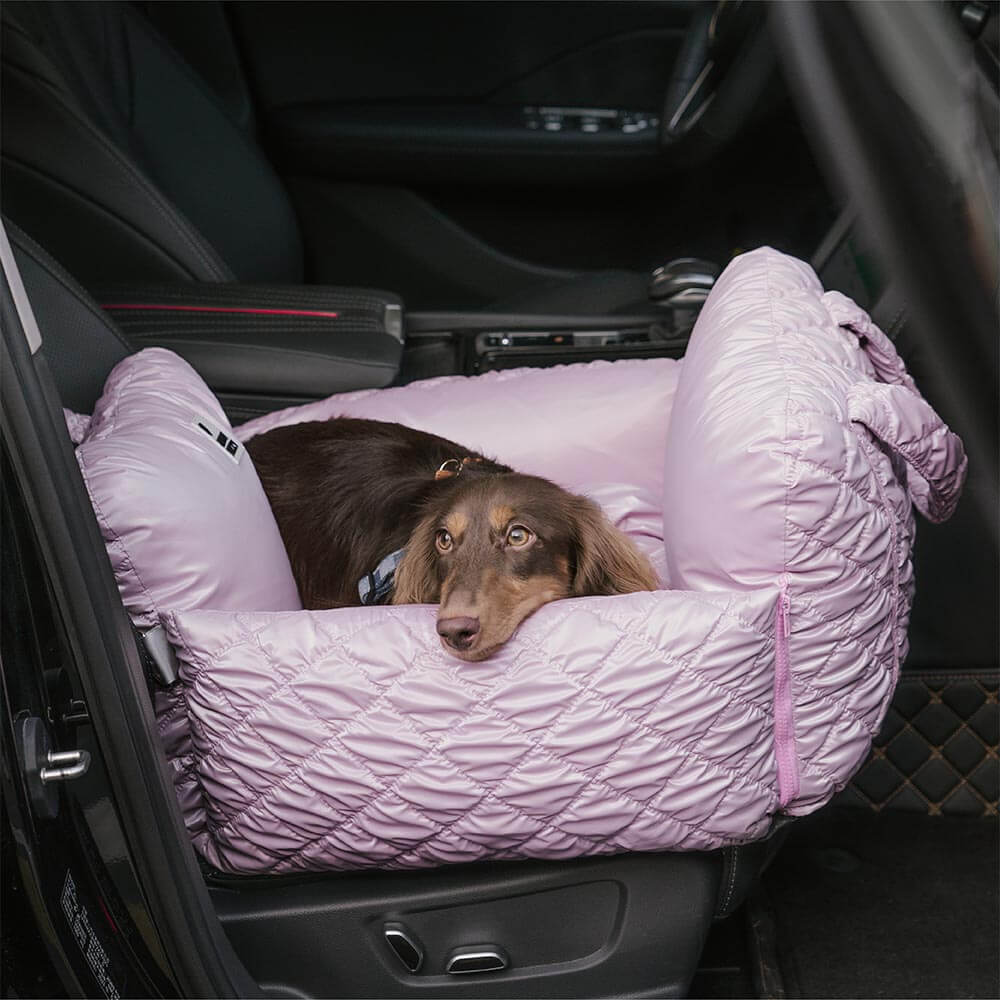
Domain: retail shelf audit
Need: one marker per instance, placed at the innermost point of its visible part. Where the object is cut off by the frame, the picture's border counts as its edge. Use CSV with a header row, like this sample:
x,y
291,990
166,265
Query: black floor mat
x,y
890,904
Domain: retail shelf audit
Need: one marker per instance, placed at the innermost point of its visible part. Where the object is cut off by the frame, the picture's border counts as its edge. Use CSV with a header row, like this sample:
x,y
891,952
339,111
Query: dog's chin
x,y
476,652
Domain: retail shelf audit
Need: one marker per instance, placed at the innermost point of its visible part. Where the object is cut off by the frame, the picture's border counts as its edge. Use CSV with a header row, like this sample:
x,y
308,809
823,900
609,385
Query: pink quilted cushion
x,y
681,719
577,425
796,447
348,739
183,515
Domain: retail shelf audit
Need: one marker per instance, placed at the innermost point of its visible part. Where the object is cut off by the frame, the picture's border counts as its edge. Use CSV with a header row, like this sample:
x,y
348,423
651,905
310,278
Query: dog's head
x,y
494,548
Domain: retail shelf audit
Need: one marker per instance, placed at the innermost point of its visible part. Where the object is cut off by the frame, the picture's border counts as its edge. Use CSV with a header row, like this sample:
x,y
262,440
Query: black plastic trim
x,y
110,672
450,142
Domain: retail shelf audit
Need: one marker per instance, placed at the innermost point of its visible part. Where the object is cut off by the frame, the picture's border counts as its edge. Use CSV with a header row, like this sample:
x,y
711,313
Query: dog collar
x,y
376,586
454,466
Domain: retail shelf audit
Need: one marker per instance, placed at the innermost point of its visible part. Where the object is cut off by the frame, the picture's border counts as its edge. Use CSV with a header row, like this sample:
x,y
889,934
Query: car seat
x,y
112,143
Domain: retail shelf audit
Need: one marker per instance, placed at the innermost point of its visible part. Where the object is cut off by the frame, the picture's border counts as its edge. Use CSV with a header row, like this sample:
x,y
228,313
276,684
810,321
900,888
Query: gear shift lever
x,y
683,283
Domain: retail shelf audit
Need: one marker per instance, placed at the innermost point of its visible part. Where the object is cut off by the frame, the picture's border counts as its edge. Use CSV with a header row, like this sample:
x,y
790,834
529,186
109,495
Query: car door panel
x,y
478,144
350,53
359,103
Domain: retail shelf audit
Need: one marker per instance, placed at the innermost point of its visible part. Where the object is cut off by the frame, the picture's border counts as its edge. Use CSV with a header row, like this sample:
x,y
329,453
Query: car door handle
x,y
64,765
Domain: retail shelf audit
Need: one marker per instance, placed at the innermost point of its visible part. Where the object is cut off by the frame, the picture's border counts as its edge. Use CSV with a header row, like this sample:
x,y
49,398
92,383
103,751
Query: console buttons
x,y
405,945
589,121
477,958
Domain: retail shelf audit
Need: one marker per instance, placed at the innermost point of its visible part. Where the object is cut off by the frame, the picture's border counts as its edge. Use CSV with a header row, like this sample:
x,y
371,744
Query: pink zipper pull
x,y
785,606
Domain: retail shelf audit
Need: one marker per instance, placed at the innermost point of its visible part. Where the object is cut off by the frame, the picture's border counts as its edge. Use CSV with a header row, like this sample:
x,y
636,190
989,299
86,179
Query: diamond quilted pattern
x,y
985,723
347,739
910,698
936,722
965,700
878,780
965,751
892,724
937,751
985,778
424,759
908,750
936,780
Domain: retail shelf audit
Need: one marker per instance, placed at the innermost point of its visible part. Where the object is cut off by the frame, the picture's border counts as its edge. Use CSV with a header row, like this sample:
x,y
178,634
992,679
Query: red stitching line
x,y
161,307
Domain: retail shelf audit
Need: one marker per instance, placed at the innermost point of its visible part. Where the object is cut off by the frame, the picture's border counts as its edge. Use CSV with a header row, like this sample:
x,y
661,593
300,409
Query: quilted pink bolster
x,y
906,424
896,413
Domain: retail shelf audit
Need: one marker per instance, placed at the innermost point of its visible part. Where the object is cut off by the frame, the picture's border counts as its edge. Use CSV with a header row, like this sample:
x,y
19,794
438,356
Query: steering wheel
x,y
904,112
720,76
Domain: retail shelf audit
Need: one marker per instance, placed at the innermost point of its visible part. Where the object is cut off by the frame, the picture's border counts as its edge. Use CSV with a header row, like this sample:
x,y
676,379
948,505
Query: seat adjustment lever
x,y
405,945
477,958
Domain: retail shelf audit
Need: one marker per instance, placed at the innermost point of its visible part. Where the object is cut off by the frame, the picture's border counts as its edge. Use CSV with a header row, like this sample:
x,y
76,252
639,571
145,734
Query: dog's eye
x,y
519,536
443,541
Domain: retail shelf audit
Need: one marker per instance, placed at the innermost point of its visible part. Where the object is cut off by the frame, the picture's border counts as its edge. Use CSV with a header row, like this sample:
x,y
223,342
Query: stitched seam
x,y
156,199
868,448
789,464
826,696
124,554
732,879
428,753
907,451
187,272
488,792
864,569
286,688
277,351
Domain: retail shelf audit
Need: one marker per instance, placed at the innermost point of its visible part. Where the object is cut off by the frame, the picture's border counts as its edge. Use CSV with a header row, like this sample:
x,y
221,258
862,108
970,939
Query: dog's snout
x,y
459,633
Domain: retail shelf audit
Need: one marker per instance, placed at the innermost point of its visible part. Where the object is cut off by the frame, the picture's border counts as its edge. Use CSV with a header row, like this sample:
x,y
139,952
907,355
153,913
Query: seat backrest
x,y
81,344
118,157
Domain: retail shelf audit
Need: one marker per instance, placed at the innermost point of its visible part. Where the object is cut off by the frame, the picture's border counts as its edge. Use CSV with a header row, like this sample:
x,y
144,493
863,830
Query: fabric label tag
x,y
223,439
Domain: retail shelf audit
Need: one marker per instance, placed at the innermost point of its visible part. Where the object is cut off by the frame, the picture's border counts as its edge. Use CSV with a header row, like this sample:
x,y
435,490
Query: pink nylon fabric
x,y
176,511
578,425
348,739
788,449
781,387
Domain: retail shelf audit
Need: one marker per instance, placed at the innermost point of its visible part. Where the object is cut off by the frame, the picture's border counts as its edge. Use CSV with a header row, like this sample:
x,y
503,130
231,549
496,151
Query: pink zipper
x,y
784,721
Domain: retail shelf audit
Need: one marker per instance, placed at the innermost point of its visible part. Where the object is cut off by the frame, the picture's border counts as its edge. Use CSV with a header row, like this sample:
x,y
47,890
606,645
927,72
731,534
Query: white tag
x,y
229,445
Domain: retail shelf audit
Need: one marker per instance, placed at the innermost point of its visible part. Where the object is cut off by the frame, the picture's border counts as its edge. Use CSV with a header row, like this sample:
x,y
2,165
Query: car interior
x,y
468,187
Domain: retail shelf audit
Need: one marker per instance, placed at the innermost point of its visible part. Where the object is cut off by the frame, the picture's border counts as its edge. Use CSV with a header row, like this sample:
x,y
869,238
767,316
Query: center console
x,y
469,343
262,347
472,343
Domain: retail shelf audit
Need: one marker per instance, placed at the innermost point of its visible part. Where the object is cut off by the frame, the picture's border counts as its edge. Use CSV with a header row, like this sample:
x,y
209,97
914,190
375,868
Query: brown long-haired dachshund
x,y
354,497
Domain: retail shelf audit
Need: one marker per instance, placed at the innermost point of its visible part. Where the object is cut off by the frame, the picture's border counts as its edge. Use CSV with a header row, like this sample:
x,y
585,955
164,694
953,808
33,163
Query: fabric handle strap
x,y
895,412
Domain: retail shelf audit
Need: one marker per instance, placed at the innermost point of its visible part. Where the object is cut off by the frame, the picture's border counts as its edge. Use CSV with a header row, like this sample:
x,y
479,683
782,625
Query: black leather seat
x,y
121,160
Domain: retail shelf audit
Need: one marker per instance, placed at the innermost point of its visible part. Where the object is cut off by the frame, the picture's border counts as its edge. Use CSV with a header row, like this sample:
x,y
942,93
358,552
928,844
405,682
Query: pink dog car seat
x,y
771,476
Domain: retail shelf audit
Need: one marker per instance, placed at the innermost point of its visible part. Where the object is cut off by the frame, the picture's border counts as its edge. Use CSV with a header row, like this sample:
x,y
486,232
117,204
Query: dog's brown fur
x,y
347,492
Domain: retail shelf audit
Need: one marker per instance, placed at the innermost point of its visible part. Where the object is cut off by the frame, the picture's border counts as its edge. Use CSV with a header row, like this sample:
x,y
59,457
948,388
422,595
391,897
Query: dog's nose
x,y
458,632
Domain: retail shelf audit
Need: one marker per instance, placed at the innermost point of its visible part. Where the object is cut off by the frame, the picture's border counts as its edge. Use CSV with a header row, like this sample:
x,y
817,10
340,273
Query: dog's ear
x,y
416,575
607,562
